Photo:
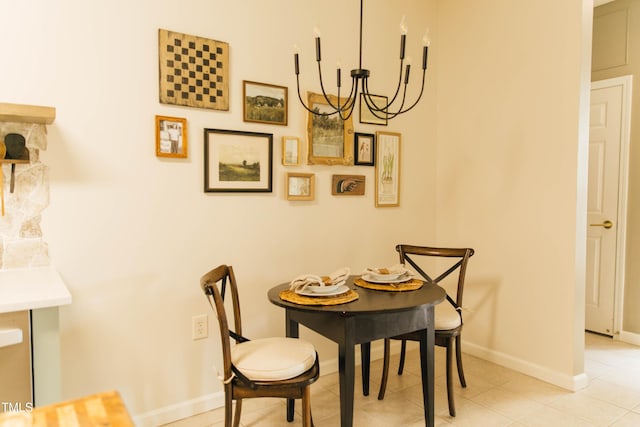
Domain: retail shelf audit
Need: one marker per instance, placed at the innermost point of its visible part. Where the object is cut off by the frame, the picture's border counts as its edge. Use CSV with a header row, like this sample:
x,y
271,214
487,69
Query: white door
x,y
605,212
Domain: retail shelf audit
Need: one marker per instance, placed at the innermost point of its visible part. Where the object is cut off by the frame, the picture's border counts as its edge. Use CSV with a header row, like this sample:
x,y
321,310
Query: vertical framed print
x,y
387,169
290,150
364,149
171,137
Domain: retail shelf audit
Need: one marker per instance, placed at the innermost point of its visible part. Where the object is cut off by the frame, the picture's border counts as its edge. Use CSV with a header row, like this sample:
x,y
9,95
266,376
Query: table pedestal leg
x,y
346,366
427,340
292,331
365,356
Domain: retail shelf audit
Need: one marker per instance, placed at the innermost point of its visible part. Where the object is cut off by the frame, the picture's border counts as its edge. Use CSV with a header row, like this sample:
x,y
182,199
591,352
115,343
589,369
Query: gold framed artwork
x,y
347,185
300,186
264,103
330,139
290,150
194,71
171,137
387,169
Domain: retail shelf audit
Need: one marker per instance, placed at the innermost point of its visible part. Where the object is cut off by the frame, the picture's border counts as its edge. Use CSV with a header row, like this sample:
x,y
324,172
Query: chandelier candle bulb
x,y
425,50
360,83
317,33
318,49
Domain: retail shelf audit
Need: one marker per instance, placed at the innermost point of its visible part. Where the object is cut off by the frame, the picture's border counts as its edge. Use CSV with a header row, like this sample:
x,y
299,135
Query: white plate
x,y
389,276
375,278
314,291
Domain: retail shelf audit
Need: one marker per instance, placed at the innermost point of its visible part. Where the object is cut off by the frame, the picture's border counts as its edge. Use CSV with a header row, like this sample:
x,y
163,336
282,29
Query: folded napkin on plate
x,y
301,282
394,269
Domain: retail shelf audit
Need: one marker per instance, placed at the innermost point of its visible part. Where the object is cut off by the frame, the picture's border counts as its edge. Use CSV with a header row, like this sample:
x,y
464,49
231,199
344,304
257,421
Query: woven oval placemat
x,y
290,296
411,285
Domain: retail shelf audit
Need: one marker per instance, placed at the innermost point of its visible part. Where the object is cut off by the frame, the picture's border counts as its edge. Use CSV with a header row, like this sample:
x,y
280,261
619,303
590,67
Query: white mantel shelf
x,y
31,288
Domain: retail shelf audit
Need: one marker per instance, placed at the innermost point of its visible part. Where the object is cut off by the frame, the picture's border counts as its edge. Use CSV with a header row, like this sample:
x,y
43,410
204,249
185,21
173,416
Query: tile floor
x,y
494,397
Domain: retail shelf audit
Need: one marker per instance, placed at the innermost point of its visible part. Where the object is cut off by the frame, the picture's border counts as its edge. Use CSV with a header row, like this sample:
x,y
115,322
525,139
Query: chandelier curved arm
x,y
375,110
344,111
318,113
373,106
383,114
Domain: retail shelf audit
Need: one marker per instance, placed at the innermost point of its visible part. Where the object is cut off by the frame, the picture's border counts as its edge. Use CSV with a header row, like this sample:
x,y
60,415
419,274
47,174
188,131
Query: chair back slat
x,y
215,285
462,255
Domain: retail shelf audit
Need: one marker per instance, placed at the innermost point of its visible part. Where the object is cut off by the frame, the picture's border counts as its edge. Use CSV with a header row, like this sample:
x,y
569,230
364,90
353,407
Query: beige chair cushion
x,y
273,359
446,316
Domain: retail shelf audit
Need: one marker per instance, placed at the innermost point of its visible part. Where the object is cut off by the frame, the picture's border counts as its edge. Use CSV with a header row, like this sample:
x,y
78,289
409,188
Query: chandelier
x,y
360,83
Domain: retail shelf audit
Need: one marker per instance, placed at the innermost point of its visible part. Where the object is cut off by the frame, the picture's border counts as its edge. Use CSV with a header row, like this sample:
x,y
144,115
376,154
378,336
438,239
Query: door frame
x,y
623,185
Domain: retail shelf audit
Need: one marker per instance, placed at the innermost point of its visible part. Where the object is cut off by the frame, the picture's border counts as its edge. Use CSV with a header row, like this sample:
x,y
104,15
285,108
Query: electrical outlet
x,y
199,327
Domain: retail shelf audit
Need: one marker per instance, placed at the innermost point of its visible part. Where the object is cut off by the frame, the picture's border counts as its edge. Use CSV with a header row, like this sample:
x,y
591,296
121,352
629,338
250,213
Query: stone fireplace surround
x,y
21,241
28,282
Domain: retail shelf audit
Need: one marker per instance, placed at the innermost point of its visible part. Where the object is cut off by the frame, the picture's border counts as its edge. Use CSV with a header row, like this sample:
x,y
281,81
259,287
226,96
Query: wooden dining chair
x,y
448,314
267,367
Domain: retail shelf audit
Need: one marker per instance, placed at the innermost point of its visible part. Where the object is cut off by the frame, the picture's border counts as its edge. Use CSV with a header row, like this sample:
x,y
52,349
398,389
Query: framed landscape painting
x,y
330,138
264,103
236,161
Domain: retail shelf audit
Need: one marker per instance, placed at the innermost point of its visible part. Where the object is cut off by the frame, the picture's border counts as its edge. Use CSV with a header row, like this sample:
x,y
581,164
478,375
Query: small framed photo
x,y
364,149
290,150
387,169
236,161
264,103
301,186
367,116
171,136
330,138
347,185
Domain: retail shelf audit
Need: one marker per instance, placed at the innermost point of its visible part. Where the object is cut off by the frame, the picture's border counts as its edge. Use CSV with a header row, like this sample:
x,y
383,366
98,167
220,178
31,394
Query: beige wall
x,y
511,175
491,159
616,52
131,234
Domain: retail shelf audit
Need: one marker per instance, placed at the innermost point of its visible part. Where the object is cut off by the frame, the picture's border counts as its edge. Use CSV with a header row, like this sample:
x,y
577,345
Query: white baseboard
x,y
212,401
216,400
629,338
180,410
573,383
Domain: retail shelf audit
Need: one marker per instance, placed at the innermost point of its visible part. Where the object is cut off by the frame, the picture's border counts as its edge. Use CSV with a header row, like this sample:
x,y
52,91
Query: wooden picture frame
x,y
348,185
236,161
171,137
330,139
366,116
387,169
364,149
290,150
300,186
264,103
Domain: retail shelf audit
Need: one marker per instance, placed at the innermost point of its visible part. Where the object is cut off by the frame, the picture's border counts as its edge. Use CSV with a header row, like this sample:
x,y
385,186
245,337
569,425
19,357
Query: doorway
x,y
609,135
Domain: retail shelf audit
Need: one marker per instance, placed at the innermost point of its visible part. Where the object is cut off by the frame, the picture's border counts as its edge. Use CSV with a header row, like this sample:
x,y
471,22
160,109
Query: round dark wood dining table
x,y
376,314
